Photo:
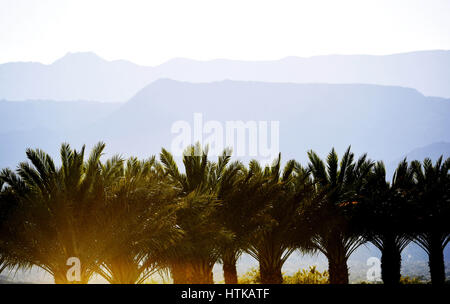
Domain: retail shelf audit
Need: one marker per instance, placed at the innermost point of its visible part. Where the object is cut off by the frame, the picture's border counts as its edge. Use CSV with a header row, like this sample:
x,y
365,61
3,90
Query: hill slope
x,y
383,121
85,76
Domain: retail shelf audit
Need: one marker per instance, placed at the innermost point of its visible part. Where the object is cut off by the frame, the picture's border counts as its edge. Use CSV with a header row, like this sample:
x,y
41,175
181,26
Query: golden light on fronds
x,y
347,203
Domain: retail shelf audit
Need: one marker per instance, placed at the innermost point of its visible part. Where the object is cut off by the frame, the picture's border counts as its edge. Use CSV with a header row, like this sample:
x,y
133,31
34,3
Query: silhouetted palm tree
x,y
234,193
384,216
57,209
276,236
7,205
337,190
433,210
199,248
140,222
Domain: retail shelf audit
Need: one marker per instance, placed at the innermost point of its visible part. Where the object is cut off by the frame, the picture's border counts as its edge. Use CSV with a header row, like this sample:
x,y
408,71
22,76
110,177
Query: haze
x,y
151,32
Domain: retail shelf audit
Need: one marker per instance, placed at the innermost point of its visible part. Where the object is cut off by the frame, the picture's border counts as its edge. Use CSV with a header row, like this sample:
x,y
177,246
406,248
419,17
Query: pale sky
x,y
151,32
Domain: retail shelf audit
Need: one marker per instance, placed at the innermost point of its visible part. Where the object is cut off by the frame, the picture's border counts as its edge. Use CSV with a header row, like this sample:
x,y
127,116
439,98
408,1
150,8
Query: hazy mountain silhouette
x,y
76,76
54,115
43,124
85,76
381,120
432,151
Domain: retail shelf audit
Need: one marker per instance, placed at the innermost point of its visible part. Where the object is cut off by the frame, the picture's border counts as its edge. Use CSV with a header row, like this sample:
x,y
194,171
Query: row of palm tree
x,y
126,219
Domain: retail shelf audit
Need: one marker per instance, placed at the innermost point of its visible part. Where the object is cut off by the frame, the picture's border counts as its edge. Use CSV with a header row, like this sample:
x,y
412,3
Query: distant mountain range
x,y
43,124
86,76
433,151
32,114
387,122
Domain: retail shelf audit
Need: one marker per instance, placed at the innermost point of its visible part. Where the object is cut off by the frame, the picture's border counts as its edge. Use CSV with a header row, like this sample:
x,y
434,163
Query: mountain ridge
x,y
87,76
151,111
82,53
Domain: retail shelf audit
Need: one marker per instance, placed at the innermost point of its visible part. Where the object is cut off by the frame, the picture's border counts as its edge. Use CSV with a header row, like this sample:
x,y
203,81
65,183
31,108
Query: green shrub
x,y
412,280
250,277
311,276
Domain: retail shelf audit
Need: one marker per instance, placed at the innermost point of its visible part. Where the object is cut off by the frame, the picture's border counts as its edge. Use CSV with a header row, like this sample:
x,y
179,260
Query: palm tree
x,y
6,207
56,210
241,201
433,210
198,250
233,189
140,221
278,200
337,190
384,216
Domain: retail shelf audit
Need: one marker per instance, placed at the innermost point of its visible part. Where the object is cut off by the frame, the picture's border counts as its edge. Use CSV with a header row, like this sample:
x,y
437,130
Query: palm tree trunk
x,y
60,278
204,273
208,275
338,271
229,260
337,261
124,271
270,274
390,262
230,272
178,272
196,272
436,260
